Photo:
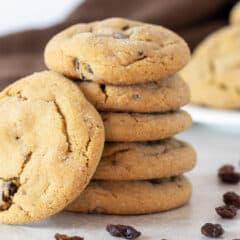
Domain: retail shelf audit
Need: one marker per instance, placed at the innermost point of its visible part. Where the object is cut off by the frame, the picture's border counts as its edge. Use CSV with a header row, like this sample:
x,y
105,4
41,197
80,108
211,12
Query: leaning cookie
x,y
234,17
117,51
161,96
146,160
133,197
213,73
133,127
51,142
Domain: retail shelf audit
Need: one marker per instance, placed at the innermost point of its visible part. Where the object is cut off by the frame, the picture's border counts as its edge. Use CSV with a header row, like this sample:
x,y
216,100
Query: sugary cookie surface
x,y
117,51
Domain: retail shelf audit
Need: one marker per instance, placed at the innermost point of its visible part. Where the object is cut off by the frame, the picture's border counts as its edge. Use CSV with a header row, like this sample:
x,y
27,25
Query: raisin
x,y
59,236
89,69
155,181
227,174
212,230
232,198
226,211
125,27
123,231
136,97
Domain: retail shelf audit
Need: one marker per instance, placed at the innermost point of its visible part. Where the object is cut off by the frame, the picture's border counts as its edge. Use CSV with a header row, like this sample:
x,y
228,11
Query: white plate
x,y
224,119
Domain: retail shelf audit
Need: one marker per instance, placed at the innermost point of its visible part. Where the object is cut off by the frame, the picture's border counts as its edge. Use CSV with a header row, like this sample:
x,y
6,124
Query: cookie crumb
x,y
59,236
212,230
232,198
227,174
123,231
226,211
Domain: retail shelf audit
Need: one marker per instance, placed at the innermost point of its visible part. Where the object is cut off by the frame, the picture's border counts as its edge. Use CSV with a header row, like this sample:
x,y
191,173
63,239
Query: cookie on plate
x,y
235,14
133,197
51,142
117,51
131,127
164,95
145,160
213,73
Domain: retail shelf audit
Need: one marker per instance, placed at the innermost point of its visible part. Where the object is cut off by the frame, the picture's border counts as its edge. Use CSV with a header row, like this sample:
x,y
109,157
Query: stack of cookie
x,y
128,71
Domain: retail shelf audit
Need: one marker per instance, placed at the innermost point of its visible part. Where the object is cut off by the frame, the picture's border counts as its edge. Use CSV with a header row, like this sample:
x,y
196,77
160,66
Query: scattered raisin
x,y
226,211
140,53
227,174
136,97
59,236
232,198
123,231
212,230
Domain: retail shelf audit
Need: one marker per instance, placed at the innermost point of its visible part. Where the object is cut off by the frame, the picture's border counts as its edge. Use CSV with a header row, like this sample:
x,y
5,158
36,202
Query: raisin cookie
x,y
213,73
133,197
161,96
117,51
146,160
131,127
51,142
235,14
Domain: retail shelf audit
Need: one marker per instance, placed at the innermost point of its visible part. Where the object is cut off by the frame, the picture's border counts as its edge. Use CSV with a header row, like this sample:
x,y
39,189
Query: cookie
x,y
133,197
161,96
117,51
213,73
131,127
146,160
235,14
51,142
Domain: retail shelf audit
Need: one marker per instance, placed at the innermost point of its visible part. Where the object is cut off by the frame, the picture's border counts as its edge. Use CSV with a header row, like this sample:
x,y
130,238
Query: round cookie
x,y
133,197
133,127
161,96
117,51
235,14
149,160
213,74
51,142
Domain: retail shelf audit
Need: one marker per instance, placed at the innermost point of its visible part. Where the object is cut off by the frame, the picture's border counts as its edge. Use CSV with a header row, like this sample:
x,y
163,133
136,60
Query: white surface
x,y
17,15
214,149
226,120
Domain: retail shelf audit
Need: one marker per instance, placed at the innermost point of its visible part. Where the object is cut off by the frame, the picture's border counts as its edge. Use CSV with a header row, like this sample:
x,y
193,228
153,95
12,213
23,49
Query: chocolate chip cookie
x,y
117,51
51,142
133,197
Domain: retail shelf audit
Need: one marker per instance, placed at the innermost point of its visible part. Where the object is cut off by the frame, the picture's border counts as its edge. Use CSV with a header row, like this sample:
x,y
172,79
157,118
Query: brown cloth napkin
x,y
22,53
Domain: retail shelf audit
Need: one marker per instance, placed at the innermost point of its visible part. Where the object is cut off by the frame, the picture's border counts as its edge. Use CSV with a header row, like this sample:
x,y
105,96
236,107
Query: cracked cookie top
x,y
117,51
51,142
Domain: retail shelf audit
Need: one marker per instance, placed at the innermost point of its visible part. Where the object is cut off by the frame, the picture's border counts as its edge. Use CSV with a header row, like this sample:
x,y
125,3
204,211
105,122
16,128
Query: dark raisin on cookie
x,y
77,65
212,230
8,189
59,236
136,97
226,211
125,27
123,231
155,181
89,69
227,174
232,198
